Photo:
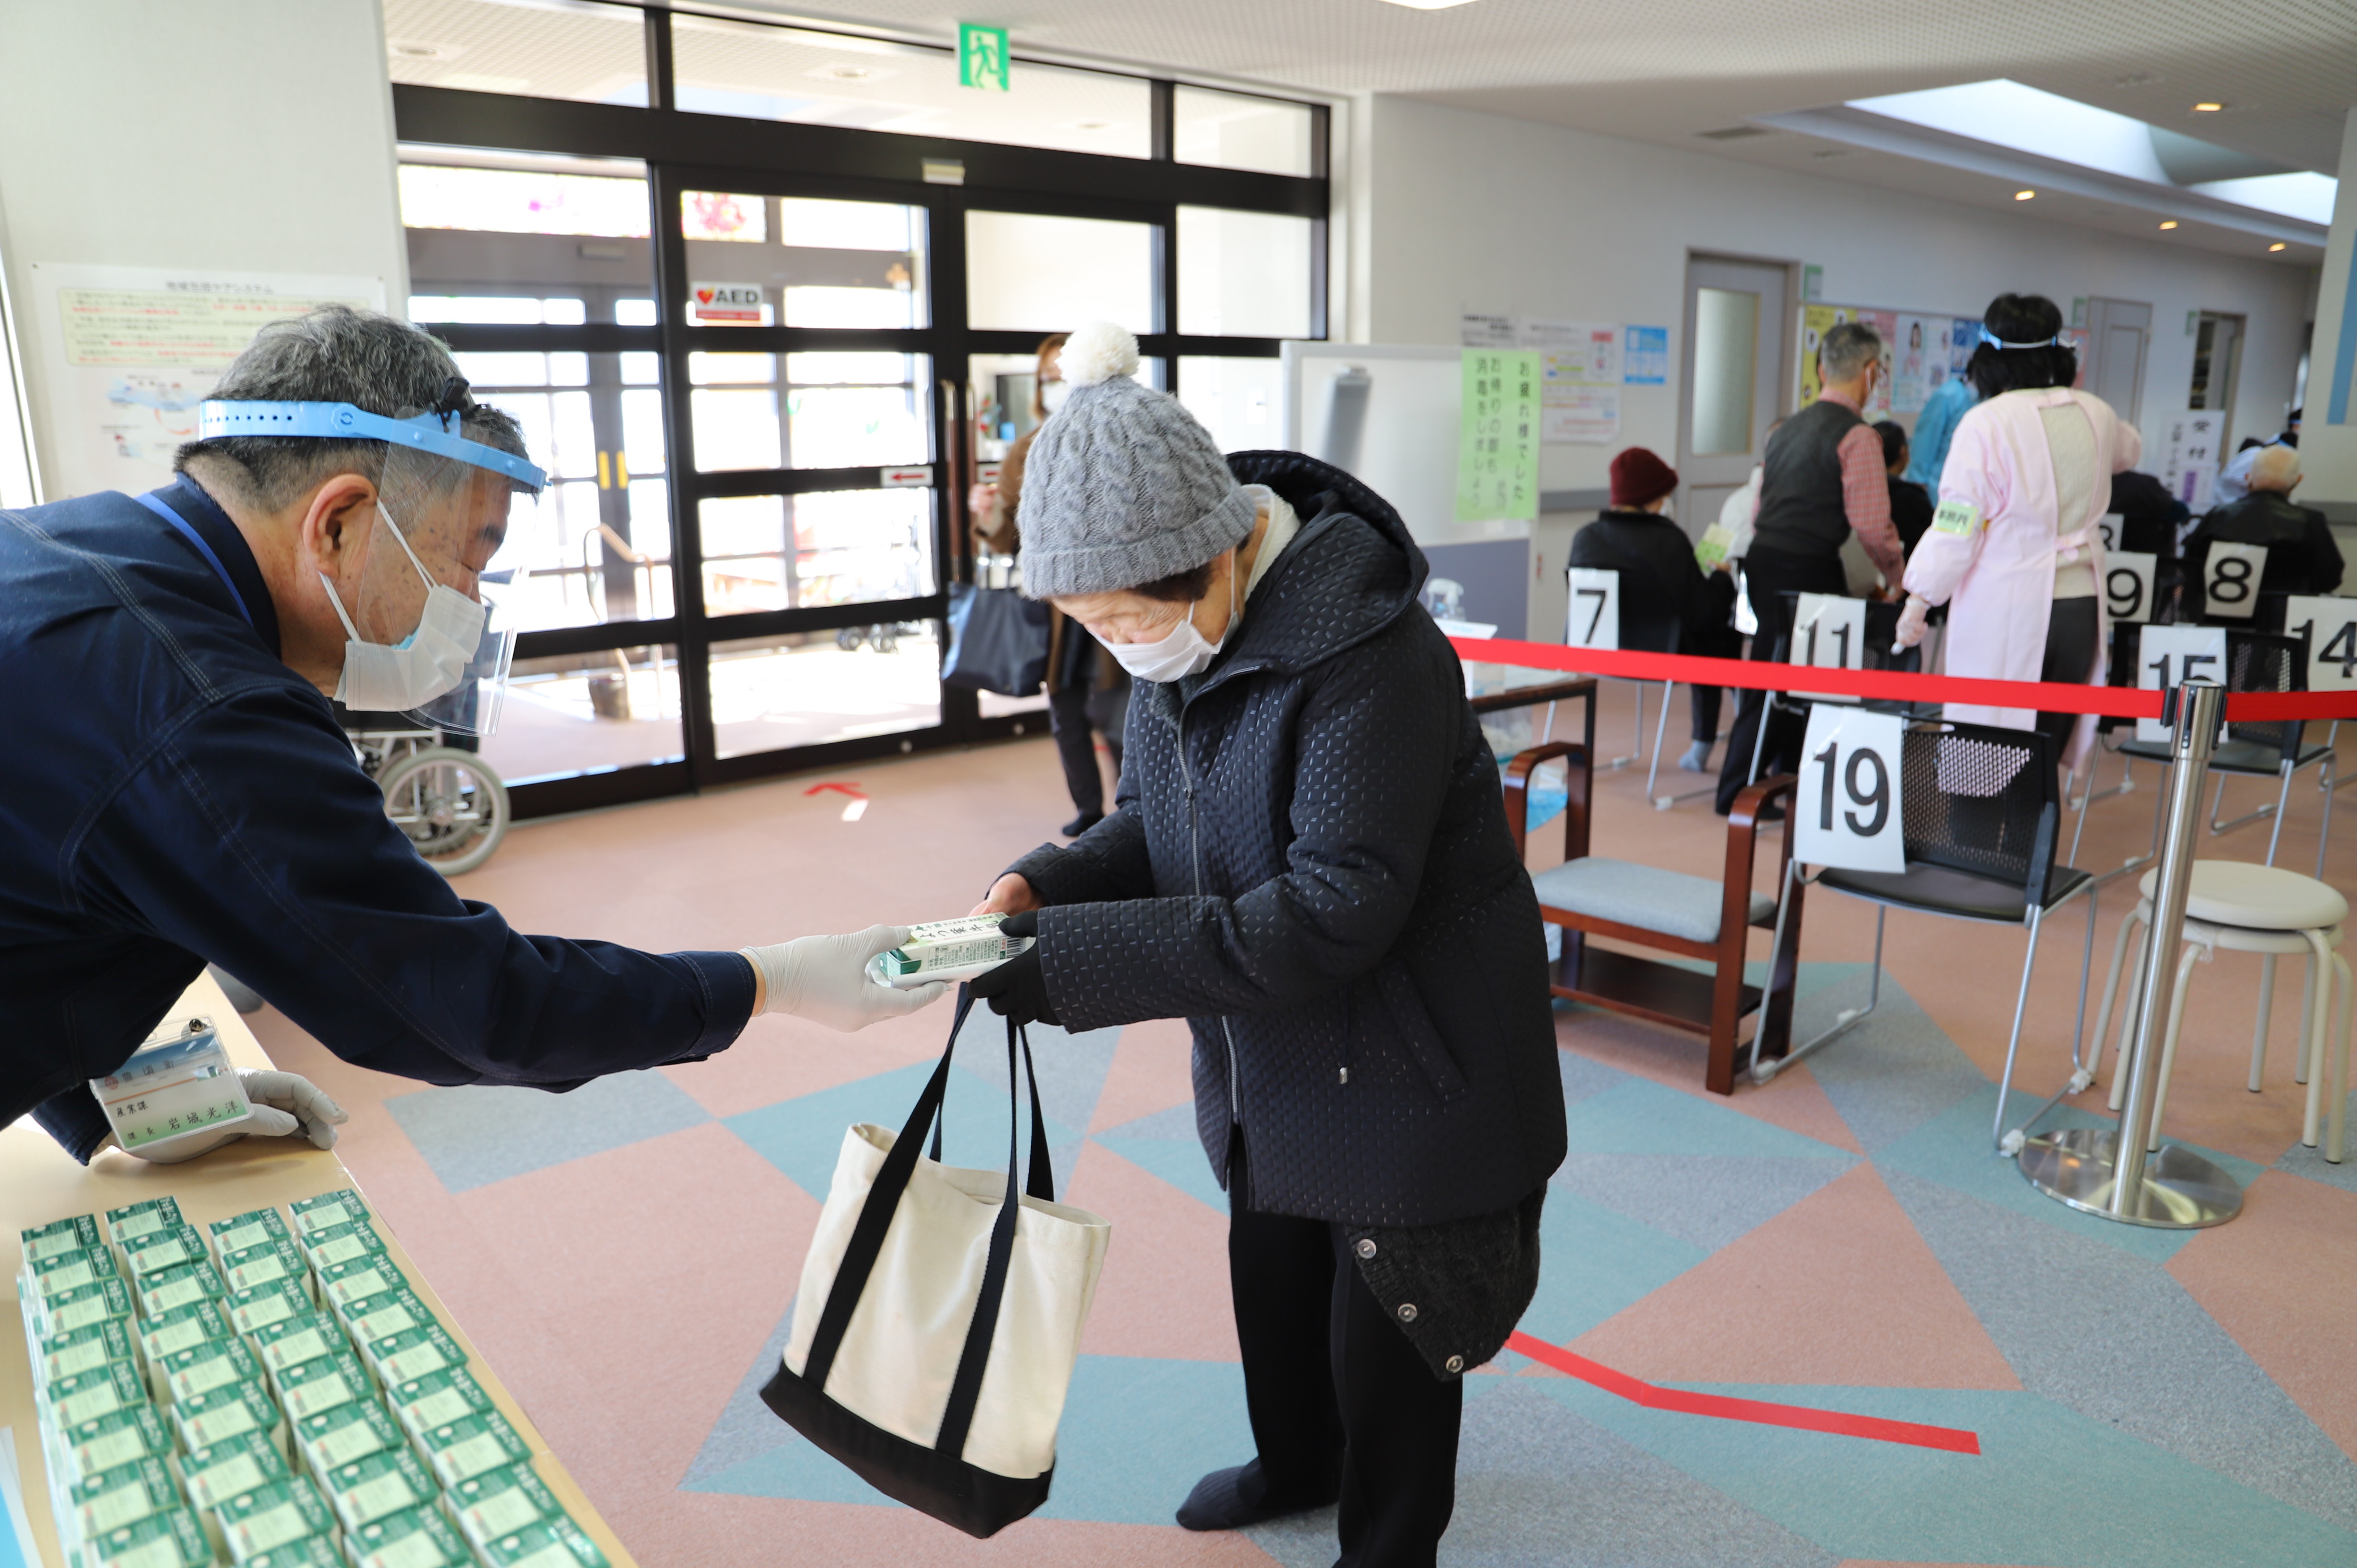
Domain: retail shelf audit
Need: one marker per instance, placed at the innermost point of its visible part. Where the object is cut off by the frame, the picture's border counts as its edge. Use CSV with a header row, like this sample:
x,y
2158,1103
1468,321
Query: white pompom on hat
x,y
1098,353
1122,484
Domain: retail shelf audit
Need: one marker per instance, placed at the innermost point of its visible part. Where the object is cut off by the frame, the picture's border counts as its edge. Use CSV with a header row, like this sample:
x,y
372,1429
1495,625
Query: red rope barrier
x,y
1806,1418
1890,685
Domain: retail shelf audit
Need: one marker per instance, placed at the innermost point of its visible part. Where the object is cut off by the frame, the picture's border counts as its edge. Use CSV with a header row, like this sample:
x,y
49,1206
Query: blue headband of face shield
x,y
1993,341
427,433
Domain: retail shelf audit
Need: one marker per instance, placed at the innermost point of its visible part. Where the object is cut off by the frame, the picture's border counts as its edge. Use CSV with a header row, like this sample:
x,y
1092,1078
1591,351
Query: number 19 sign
x,y
1846,811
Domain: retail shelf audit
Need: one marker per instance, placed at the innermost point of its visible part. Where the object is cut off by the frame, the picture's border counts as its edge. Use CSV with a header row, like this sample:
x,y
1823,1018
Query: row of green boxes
x,y
268,1390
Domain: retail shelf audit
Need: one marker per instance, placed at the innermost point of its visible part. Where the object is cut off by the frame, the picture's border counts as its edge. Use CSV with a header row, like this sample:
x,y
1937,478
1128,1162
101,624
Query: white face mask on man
x,y
1185,651
427,663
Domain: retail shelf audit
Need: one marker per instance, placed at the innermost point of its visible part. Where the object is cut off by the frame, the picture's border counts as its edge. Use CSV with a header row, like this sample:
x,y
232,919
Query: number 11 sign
x,y
1846,811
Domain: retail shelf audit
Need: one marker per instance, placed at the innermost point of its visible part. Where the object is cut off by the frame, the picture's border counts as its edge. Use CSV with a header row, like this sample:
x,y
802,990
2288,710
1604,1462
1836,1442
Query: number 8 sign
x,y
1847,812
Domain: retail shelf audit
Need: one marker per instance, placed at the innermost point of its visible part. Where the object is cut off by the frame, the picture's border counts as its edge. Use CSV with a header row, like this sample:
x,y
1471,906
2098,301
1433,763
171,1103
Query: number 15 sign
x,y
1846,811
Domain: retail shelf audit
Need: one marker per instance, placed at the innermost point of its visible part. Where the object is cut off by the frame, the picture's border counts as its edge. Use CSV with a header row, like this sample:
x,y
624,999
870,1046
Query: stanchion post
x,y
2108,1171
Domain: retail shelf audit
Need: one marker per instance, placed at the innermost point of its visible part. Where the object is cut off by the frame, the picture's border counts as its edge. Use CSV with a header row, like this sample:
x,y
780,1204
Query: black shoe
x,y
1217,1502
1082,823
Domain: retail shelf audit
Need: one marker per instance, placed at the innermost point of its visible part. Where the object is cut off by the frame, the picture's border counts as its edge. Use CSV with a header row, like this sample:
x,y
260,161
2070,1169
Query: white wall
x,y
1472,211
2327,453
251,135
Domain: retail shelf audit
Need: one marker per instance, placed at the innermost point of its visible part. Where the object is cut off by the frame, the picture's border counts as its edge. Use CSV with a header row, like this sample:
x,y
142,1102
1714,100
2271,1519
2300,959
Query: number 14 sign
x,y
1846,811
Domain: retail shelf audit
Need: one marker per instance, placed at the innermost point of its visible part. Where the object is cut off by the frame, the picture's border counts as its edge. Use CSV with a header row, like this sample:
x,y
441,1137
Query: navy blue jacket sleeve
x,y
249,838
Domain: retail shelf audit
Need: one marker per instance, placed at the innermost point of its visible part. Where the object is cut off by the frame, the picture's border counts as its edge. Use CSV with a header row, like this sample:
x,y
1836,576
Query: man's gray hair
x,y
1848,348
338,354
2276,468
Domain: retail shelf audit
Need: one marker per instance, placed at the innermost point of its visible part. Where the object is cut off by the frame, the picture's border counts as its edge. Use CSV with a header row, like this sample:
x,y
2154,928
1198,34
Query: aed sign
x,y
725,303
1847,812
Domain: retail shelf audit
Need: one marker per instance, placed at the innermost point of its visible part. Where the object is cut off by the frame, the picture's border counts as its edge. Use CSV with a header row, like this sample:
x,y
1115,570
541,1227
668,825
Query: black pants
x,y
1769,576
1341,1404
2070,632
1076,715
1719,642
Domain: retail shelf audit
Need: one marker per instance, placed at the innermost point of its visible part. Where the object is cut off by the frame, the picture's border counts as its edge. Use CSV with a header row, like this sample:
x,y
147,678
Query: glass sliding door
x,y
768,302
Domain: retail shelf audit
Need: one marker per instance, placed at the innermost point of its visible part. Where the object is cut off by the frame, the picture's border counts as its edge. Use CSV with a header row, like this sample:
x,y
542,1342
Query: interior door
x,y
2119,333
1736,319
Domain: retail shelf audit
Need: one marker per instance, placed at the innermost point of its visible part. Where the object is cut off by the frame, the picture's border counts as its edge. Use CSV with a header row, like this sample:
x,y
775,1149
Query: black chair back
x,y
1980,799
2268,662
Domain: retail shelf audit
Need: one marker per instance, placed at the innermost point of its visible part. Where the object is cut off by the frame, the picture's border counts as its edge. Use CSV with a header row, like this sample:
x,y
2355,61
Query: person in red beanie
x,y
1668,602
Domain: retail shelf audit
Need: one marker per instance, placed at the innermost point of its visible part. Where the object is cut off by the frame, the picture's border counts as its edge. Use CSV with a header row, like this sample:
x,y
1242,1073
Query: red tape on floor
x,y
1890,685
1723,1408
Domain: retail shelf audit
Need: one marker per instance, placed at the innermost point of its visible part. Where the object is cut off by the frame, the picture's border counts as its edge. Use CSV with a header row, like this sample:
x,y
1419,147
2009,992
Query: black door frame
x,y
682,150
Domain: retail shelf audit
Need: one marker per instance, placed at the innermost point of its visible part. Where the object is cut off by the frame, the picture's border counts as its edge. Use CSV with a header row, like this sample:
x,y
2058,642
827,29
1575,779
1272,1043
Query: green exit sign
x,y
982,57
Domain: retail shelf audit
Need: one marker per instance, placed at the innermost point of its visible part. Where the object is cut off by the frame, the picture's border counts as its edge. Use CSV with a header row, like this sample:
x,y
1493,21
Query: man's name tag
x,y
2329,624
1957,517
2127,585
2171,656
1846,811
1594,617
2230,579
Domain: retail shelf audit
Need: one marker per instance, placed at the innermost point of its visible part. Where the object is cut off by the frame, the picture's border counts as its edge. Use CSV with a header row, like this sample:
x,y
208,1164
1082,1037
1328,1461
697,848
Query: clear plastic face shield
x,y
431,624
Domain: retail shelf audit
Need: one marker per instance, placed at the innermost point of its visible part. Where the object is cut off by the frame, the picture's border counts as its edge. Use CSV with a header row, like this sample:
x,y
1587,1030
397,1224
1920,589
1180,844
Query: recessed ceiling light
x,y
2208,107
1429,5
2276,246
2025,195
850,72
2170,224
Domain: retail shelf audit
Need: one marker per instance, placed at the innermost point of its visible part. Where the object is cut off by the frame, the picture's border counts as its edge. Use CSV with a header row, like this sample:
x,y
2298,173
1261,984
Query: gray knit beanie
x,y
1121,485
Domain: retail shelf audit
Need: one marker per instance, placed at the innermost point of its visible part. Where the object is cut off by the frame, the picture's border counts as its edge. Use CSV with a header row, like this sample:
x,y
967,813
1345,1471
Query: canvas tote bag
x,y
941,1313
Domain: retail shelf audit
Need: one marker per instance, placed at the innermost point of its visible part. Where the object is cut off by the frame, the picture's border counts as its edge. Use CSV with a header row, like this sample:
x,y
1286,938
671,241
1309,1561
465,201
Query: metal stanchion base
x,y
2183,1191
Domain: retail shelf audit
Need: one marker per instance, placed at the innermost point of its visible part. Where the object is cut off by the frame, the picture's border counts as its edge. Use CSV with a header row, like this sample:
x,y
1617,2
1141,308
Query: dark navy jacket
x,y
173,795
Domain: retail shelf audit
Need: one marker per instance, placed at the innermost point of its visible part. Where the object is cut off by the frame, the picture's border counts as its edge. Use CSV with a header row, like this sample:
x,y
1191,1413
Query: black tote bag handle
x,y
867,1243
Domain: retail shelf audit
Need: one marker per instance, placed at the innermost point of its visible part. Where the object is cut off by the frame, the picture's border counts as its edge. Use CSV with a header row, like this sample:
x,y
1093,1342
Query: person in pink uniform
x,y
2014,548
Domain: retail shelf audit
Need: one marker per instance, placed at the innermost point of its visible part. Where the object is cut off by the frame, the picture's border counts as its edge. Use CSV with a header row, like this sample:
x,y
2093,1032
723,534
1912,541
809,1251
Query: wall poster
x,y
129,352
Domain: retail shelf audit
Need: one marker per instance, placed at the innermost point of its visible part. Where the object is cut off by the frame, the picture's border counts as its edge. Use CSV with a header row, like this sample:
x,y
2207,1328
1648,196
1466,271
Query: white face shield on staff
x,y
431,627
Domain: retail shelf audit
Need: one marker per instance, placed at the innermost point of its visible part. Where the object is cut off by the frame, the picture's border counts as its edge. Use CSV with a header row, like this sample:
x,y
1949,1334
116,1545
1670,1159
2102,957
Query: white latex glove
x,y
1913,623
824,979
284,1105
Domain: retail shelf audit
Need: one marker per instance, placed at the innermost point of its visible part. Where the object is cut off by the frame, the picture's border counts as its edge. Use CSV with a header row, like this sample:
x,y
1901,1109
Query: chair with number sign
x,y
2276,748
1667,910
1874,655
1596,616
1981,813
2120,669
1644,623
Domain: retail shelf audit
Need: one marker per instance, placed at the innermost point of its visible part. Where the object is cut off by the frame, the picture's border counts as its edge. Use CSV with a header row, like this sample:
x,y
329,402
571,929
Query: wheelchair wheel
x,y
450,803
886,639
849,637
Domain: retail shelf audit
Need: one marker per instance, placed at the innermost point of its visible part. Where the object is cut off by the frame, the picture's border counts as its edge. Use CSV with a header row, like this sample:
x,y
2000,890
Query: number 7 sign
x,y
1847,812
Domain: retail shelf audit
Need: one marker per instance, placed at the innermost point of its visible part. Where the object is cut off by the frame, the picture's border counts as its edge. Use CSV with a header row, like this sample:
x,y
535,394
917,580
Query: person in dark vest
x,y
1823,482
1668,602
2302,557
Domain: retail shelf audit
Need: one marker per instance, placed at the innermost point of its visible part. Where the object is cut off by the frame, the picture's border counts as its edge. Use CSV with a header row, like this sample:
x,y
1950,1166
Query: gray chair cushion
x,y
1646,896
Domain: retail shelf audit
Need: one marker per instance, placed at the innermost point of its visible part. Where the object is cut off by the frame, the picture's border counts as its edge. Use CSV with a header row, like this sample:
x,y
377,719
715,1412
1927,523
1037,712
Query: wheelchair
x,y
448,801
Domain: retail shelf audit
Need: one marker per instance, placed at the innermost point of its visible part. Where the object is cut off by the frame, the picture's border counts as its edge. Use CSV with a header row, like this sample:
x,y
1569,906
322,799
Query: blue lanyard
x,y
176,521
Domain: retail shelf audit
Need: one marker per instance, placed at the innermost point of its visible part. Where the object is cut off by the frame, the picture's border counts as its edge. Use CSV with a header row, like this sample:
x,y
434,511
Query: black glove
x,y
1017,989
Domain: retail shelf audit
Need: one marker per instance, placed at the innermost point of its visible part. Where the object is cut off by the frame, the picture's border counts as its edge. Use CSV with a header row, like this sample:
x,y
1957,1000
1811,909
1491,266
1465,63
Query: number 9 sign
x,y
1847,810
2127,585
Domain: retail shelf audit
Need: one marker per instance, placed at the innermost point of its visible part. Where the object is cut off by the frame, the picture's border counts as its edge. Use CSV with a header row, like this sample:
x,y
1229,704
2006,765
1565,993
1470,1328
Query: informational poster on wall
x,y
1498,444
1645,356
127,354
1476,330
1919,353
1579,364
1816,320
2186,447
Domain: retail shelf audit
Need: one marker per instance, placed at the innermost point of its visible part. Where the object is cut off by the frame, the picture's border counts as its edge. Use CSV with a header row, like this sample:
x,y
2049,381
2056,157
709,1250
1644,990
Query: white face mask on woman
x,y
1185,651
1053,393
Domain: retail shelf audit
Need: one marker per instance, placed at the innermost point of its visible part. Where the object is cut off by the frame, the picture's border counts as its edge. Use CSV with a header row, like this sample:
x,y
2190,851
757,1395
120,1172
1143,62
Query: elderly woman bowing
x,y
1309,862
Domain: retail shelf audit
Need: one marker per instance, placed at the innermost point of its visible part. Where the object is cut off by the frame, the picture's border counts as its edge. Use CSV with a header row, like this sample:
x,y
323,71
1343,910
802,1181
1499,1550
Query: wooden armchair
x,y
1591,894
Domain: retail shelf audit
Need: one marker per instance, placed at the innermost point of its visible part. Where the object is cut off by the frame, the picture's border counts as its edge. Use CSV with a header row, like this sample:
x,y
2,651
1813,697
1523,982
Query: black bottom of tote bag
x,y
979,1502
935,1480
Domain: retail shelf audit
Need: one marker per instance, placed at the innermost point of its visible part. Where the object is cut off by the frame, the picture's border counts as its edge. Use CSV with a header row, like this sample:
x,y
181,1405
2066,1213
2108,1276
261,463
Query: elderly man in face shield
x,y
180,792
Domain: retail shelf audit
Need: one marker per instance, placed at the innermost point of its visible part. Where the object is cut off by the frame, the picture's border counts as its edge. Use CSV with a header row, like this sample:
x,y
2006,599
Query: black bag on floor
x,y
998,641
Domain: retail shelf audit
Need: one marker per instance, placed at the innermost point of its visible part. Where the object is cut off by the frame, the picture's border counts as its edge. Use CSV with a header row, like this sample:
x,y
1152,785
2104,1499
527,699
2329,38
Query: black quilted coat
x,y
1309,863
